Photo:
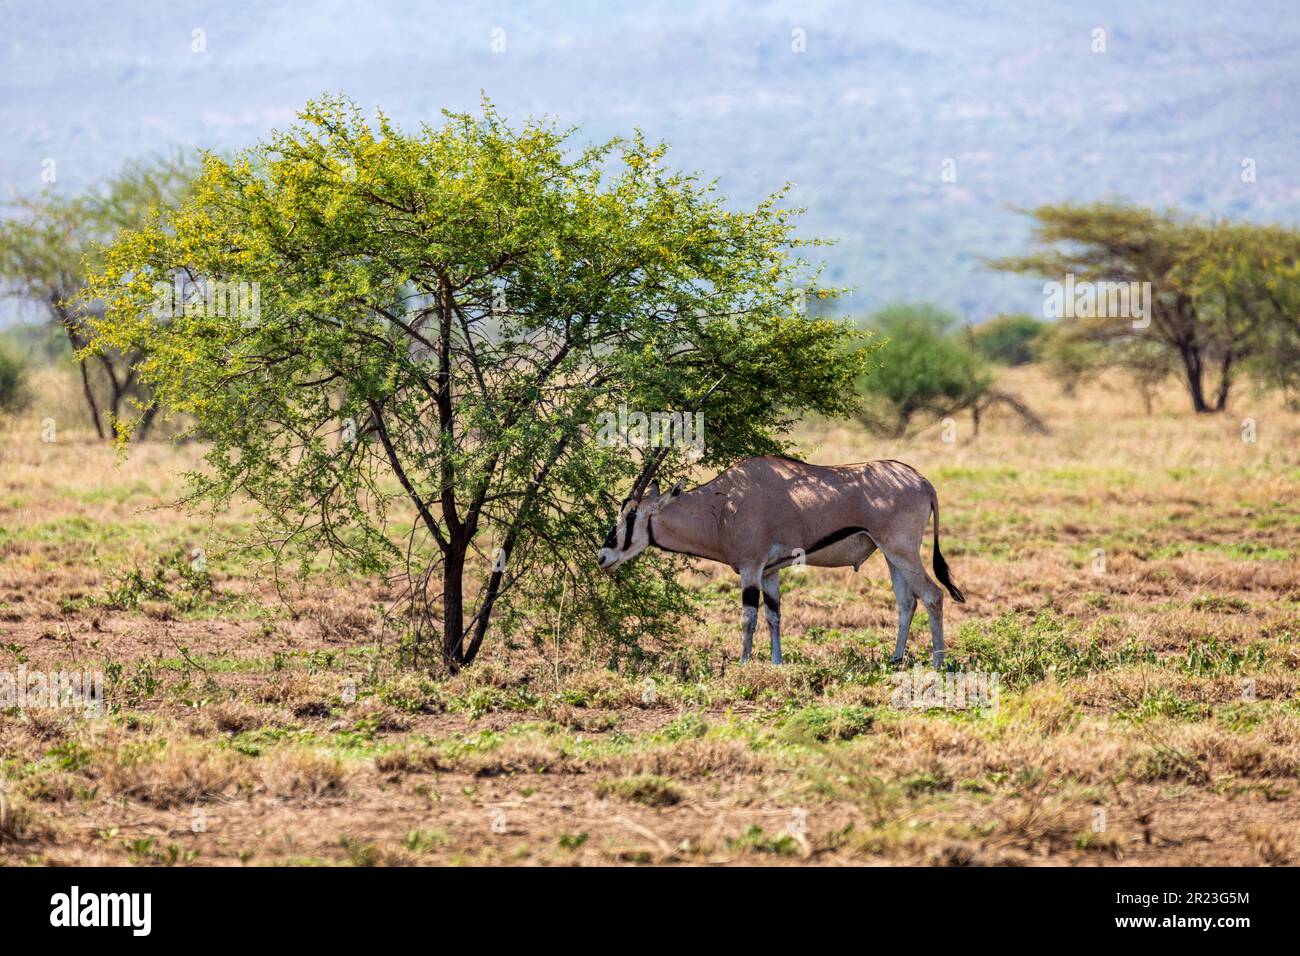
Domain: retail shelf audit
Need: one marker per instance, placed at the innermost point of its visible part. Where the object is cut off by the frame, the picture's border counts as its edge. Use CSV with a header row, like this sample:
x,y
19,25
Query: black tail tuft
x,y
941,572
940,565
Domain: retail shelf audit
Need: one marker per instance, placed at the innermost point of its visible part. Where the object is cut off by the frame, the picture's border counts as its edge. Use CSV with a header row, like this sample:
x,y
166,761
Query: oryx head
x,y
631,531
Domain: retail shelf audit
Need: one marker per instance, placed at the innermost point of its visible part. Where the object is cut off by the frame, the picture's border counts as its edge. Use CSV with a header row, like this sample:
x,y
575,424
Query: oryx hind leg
x,y
772,610
906,609
908,563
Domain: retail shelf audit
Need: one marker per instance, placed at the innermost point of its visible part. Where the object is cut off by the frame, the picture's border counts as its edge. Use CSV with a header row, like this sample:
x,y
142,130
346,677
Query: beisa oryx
x,y
765,514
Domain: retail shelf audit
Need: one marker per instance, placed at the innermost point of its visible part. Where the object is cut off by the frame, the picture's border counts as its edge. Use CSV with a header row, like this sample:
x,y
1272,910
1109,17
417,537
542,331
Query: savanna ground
x,y
1131,578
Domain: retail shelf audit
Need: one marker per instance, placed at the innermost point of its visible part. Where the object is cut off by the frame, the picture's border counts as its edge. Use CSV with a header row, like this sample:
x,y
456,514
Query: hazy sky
x,y
862,104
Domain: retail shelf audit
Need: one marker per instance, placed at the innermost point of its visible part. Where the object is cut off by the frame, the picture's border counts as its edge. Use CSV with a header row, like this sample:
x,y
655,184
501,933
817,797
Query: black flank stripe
x,y
835,536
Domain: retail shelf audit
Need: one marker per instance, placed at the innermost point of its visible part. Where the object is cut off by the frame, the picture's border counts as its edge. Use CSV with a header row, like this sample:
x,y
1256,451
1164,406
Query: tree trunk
x,y
90,398
453,607
1225,383
146,422
78,343
1193,371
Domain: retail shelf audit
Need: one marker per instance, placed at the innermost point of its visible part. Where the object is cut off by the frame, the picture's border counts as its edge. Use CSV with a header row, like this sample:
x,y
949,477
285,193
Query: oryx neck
x,y
679,529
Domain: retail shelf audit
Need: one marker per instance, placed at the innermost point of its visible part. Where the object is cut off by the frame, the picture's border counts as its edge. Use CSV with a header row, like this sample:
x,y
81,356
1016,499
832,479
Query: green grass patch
x,y
1024,652
754,840
825,723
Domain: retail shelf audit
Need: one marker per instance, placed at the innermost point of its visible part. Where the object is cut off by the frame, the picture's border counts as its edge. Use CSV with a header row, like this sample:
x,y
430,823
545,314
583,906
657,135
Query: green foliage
x,y
173,580
1009,339
926,368
443,317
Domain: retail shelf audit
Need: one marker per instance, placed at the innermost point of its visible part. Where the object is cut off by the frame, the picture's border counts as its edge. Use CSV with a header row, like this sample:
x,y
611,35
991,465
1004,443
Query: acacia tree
x,y
443,316
1222,293
926,370
1247,278
48,245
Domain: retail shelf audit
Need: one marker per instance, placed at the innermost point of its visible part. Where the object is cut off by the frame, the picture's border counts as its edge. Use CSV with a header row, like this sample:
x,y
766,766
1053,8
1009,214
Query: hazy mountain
x,y
863,120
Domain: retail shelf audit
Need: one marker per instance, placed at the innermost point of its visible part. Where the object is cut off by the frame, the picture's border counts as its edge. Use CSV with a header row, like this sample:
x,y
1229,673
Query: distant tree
x,y
1144,362
1246,277
444,317
49,243
924,368
1217,294
13,379
1008,339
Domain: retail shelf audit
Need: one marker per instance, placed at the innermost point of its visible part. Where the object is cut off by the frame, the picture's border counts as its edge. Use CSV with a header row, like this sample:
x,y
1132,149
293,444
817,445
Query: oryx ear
x,y
664,501
653,490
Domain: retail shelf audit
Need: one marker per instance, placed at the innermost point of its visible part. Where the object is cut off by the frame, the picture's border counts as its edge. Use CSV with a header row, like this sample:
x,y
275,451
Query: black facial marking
x,y
771,603
749,597
611,539
631,523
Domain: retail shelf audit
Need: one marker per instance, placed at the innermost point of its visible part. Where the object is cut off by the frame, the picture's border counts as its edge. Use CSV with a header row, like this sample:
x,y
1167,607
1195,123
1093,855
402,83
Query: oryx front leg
x,y
906,608
750,580
772,610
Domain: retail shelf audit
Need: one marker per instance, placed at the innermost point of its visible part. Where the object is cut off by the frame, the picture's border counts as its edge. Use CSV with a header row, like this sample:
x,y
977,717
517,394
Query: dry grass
x,y
1132,579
